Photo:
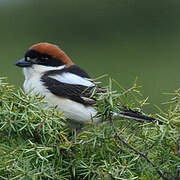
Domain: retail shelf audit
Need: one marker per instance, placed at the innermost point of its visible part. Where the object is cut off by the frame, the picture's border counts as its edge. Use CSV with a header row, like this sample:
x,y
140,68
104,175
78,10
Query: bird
x,y
50,72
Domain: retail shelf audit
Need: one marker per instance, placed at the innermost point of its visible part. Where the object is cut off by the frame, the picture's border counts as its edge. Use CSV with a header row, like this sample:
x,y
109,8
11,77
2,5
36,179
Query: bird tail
x,y
131,114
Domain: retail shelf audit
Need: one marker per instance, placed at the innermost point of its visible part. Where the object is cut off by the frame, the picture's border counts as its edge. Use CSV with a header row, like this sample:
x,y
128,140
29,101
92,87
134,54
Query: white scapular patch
x,y
70,78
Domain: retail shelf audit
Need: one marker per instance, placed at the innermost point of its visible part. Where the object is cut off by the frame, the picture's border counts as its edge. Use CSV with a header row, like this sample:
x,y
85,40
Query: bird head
x,y
44,54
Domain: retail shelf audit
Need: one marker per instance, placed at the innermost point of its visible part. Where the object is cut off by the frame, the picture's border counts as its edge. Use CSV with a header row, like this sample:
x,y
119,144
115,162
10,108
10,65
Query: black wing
x,y
76,93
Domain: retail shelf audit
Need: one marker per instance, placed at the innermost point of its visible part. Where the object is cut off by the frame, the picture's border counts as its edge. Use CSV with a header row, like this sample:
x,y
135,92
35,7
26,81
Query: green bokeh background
x,y
123,38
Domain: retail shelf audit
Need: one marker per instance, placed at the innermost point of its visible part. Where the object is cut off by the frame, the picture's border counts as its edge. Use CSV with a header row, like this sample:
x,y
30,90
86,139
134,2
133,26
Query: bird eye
x,y
32,60
28,59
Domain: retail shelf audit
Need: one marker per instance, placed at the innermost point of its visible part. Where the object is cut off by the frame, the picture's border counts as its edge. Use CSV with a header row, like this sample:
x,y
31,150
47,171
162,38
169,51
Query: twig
x,y
128,90
138,152
40,125
36,134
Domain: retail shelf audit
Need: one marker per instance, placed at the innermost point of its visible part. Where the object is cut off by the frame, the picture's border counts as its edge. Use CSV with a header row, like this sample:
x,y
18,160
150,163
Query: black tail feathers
x,y
131,114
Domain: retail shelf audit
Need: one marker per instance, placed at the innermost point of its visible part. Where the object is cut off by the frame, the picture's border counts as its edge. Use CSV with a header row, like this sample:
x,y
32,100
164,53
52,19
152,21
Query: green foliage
x,y
35,143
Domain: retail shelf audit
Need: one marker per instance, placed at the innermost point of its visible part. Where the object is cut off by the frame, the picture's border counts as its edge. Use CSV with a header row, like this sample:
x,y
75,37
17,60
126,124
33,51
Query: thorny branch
x,y
138,152
141,154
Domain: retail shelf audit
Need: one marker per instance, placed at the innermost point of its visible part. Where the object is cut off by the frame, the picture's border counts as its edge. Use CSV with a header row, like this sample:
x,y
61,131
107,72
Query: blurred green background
x,y
123,38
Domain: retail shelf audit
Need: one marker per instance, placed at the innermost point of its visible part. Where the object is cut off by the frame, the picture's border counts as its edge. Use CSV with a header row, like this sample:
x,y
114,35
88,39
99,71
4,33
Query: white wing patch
x,y
70,78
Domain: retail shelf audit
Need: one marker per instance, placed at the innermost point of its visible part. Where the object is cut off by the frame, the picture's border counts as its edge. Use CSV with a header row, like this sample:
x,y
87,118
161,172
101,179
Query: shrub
x,y
36,144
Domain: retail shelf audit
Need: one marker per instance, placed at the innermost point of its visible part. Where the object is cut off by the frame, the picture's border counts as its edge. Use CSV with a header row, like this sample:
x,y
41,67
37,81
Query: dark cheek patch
x,y
43,59
52,62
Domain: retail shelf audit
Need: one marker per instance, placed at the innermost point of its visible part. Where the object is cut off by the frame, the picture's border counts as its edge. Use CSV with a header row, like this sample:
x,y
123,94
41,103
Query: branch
x,y
138,152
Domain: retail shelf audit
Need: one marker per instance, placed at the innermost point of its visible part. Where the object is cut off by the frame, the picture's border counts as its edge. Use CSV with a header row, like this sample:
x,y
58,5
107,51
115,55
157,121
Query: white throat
x,y
38,70
33,77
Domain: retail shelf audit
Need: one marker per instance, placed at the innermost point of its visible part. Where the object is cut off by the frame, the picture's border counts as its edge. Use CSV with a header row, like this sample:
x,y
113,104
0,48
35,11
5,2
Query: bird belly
x,y
73,110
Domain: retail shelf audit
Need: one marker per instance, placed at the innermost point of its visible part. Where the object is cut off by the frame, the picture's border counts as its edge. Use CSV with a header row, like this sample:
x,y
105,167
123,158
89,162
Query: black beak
x,y
23,63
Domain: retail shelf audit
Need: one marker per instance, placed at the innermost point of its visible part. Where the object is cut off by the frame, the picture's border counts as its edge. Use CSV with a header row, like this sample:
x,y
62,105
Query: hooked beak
x,y
23,63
